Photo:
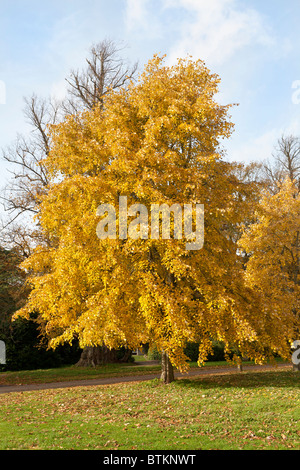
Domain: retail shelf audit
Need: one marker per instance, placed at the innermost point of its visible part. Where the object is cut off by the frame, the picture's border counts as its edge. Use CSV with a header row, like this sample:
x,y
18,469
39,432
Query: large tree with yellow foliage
x,y
157,141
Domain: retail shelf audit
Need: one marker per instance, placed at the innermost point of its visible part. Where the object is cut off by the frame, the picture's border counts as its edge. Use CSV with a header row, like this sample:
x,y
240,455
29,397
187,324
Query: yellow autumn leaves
x,y
273,269
155,141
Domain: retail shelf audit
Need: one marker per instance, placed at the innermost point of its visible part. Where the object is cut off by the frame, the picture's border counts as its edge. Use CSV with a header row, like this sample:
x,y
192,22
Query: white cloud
x,y
262,146
59,89
218,29
212,30
293,128
68,42
136,14
254,149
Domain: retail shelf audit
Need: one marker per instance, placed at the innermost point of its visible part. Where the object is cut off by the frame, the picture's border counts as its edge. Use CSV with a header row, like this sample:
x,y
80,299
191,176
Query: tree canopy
x,y
157,141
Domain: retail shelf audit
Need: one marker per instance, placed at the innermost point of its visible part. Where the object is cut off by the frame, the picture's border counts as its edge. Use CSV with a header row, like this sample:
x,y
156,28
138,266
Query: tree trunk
x,y
167,371
296,367
93,356
240,364
127,355
296,355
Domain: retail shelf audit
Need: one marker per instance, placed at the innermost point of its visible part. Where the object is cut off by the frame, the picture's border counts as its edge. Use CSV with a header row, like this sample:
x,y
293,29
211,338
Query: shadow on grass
x,y
280,379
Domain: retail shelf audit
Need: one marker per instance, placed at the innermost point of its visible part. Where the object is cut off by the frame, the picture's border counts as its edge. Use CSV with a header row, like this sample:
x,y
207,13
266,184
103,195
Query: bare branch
x,y
105,70
285,163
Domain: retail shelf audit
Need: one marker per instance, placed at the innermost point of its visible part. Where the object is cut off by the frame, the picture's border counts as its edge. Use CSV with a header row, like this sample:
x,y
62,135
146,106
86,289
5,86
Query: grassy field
x,y
249,410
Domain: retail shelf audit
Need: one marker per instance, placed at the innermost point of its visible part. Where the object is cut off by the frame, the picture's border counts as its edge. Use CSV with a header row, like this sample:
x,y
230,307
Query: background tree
x,y
273,267
155,141
10,281
24,349
105,69
21,196
285,163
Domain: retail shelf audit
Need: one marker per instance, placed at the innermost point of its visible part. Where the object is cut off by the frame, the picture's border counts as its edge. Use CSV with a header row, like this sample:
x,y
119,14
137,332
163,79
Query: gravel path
x,y
133,378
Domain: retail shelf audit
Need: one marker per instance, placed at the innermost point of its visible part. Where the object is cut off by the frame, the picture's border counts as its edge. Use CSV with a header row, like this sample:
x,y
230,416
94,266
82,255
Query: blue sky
x,y
253,45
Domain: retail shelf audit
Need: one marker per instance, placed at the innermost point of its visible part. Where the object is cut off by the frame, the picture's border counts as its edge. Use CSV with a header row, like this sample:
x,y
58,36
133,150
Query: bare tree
x,y
105,70
285,163
29,175
21,196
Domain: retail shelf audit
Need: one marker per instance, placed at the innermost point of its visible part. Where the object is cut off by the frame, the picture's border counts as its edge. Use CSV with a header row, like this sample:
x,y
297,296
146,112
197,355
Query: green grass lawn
x,y
249,410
